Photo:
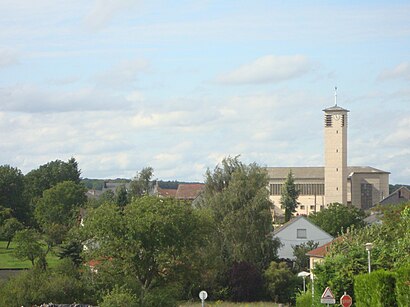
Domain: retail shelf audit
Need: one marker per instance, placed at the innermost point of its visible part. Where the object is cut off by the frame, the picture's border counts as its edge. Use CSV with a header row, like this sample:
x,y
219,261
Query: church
x,y
360,186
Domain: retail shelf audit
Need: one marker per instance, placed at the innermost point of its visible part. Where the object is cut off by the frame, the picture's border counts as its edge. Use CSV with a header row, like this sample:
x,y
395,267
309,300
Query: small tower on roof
x,y
335,134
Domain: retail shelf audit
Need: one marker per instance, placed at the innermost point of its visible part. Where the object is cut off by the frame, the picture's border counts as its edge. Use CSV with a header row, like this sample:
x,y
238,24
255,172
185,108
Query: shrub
x,y
245,282
119,297
281,283
304,299
403,286
375,289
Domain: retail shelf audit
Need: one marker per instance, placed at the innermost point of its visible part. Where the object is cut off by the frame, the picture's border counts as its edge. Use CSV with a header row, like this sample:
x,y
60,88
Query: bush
x,y
375,289
245,282
304,299
403,286
281,283
165,296
119,297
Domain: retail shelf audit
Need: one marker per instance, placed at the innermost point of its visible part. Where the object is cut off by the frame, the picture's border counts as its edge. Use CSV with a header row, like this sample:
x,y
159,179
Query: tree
x,y
121,197
151,241
9,229
238,200
289,196
245,281
50,174
140,184
11,193
281,283
28,245
300,251
337,218
59,204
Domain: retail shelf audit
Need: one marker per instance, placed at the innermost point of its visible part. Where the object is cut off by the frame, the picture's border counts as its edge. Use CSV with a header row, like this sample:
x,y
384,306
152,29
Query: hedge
x,y
403,286
376,289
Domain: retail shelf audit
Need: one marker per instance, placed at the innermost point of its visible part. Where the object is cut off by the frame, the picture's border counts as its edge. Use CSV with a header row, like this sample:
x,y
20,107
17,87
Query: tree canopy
x,y
337,218
289,196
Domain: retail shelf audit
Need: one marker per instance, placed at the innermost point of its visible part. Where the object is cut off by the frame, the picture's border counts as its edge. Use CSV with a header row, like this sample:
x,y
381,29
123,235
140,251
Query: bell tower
x,y
335,135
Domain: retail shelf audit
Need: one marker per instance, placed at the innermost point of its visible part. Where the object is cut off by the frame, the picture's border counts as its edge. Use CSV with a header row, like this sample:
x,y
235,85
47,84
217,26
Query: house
x,y
184,191
318,254
401,195
297,231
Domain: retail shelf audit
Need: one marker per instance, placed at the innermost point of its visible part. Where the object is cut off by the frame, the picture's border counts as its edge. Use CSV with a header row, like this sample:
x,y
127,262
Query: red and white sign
x,y
328,297
346,300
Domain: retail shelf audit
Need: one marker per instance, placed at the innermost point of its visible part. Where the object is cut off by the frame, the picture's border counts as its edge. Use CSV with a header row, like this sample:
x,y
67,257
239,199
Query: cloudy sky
x,y
178,85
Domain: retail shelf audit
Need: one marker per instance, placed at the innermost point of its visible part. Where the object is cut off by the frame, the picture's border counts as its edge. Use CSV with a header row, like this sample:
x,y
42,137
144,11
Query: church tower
x,y
335,154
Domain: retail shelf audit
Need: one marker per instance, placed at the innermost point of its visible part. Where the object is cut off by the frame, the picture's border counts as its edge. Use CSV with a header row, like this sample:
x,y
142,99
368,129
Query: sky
x,y
179,85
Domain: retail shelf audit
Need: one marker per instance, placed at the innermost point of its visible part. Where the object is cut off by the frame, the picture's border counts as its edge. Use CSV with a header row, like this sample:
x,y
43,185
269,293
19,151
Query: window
x,y
301,233
328,120
312,207
302,207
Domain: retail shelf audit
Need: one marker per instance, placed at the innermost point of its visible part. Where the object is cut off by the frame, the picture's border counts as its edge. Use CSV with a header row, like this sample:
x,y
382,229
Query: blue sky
x,y
178,85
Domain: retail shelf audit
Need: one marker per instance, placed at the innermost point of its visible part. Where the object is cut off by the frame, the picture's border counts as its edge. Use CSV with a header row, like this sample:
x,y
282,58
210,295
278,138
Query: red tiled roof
x,y
322,251
166,192
189,190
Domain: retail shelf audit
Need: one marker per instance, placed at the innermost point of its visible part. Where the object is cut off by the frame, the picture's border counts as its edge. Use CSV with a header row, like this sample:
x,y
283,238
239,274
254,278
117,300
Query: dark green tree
x,y
337,218
281,283
59,204
48,175
289,196
121,196
300,251
238,200
141,183
11,193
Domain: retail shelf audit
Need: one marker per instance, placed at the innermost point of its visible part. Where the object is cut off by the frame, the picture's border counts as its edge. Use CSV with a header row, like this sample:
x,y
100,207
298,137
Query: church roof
x,y
316,172
335,108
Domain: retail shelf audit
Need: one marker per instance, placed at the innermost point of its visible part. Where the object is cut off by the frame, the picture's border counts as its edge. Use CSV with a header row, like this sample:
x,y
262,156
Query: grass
x,y
9,261
229,304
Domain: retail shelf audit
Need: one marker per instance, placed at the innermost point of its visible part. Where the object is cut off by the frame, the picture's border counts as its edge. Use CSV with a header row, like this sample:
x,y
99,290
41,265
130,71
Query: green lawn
x,y
9,261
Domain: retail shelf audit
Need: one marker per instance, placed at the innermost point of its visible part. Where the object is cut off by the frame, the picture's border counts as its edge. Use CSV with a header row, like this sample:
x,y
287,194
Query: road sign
x,y
328,297
346,300
203,295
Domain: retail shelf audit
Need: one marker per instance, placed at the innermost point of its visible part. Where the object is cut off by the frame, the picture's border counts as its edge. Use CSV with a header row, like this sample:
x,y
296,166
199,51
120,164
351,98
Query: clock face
x,y
336,116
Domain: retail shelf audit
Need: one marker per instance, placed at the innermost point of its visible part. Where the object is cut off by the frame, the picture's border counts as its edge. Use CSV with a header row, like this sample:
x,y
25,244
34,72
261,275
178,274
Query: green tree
x,y
28,245
120,297
238,200
289,196
300,251
121,197
9,229
50,174
281,283
59,204
140,184
337,218
11,193
151,241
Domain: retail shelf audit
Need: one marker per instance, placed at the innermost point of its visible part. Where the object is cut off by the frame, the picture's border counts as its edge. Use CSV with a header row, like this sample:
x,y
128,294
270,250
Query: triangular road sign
x,y
328,297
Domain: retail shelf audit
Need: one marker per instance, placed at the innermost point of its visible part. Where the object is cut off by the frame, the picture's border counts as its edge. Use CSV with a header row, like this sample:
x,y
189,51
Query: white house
x,y
297,231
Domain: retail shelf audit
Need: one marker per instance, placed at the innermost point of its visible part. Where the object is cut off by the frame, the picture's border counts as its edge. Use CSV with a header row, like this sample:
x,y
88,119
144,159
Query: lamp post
x,y
303,275
369,247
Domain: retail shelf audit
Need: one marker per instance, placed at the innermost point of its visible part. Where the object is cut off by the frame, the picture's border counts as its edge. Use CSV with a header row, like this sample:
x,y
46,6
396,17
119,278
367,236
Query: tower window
x,y
337,169
328,120
337,189
337,150
337,131
343,120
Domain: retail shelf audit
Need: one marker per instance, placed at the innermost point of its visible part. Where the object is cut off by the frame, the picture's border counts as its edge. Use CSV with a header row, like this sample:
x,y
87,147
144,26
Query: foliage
x,y
237,199
36,287
337,218
403,286
71,249
93,184
140,184
289,196
152,240
11,193
121,197
163,296
304,299
245,282
9,229
120,297
48,175
281,283
28,245
375,289
301,259
59,204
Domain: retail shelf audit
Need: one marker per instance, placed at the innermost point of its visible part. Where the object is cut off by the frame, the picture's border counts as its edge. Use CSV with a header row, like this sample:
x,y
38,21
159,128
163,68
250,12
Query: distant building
x,y
360,186
184,191
297,231
399,196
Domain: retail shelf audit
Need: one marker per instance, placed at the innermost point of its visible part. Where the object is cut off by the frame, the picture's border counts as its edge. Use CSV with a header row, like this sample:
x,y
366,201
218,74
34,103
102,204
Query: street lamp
x,y
369,247
304,275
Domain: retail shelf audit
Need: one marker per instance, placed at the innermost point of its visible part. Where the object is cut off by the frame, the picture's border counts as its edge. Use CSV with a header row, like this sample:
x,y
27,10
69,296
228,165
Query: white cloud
x,y
103,11
8,57
400,71
268,69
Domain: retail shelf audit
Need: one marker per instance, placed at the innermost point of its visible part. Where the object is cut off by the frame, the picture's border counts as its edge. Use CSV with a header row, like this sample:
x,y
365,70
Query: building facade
x,y
360,186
